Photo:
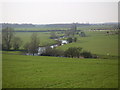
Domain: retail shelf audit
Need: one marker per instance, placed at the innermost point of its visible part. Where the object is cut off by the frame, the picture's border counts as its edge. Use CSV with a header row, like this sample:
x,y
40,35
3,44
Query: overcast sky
x,y
46,12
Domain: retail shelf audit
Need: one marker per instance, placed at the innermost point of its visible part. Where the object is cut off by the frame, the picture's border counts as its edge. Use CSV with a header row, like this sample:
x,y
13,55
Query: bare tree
x,y
34,44
72,30
7,36
16,43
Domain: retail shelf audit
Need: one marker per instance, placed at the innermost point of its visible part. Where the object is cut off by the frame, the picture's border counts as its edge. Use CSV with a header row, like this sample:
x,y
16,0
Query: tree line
x,y
71,52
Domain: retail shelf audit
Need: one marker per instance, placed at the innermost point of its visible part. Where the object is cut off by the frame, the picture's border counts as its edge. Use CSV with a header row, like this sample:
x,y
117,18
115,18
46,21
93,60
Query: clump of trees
x,y
73,52
70,39
86,54
9,40
76,52
53,52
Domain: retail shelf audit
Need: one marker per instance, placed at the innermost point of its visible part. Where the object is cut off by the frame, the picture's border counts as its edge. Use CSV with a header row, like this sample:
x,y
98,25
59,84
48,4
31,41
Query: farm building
x,y
64,42
53,46
41,50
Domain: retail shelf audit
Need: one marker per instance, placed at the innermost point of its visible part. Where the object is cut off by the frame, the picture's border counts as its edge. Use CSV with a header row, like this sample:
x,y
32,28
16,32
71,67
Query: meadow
x,y
54,72
20,71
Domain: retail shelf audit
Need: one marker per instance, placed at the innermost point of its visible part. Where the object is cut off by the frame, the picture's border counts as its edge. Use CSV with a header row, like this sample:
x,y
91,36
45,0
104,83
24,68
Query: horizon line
x,y
58,23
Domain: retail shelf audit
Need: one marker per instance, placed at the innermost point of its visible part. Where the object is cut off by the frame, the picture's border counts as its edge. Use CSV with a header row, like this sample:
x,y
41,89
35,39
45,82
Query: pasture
x,y
96,42
54,72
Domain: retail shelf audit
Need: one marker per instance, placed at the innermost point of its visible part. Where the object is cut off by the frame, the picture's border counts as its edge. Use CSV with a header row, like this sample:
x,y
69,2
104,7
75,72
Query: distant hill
x,y
68,25
40,25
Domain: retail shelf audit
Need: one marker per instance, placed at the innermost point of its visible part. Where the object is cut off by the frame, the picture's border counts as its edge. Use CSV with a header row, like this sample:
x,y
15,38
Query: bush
x,y
86,54
70,40
73,52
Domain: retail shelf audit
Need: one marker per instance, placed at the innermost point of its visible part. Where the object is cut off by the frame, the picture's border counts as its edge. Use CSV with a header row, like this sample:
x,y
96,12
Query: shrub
x,y
73,52
70,40
75,39
53,52
86,54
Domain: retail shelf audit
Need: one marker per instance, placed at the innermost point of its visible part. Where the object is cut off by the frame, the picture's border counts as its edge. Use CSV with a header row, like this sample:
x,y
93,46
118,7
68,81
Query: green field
x,y
43,37
20,71
96,42
53,72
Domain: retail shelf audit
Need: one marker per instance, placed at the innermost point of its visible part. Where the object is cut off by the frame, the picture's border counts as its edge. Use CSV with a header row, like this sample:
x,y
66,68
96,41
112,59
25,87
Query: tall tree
x,y
7,36
34,44
73,29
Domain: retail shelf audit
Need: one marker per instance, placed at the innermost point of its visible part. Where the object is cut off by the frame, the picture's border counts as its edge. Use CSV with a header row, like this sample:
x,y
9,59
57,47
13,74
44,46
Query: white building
x,y
64,42
53,46
41,50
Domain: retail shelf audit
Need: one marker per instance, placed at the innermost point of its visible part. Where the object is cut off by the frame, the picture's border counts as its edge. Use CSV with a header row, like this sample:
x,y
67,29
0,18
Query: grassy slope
x,y
54,72
97,43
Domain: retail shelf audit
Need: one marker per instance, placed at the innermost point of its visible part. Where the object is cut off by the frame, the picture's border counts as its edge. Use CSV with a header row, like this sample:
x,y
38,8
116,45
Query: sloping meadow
x,y
55,72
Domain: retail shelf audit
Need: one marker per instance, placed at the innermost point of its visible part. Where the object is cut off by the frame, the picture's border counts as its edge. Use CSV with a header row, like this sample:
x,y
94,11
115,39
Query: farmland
x,y
96,42
20,71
